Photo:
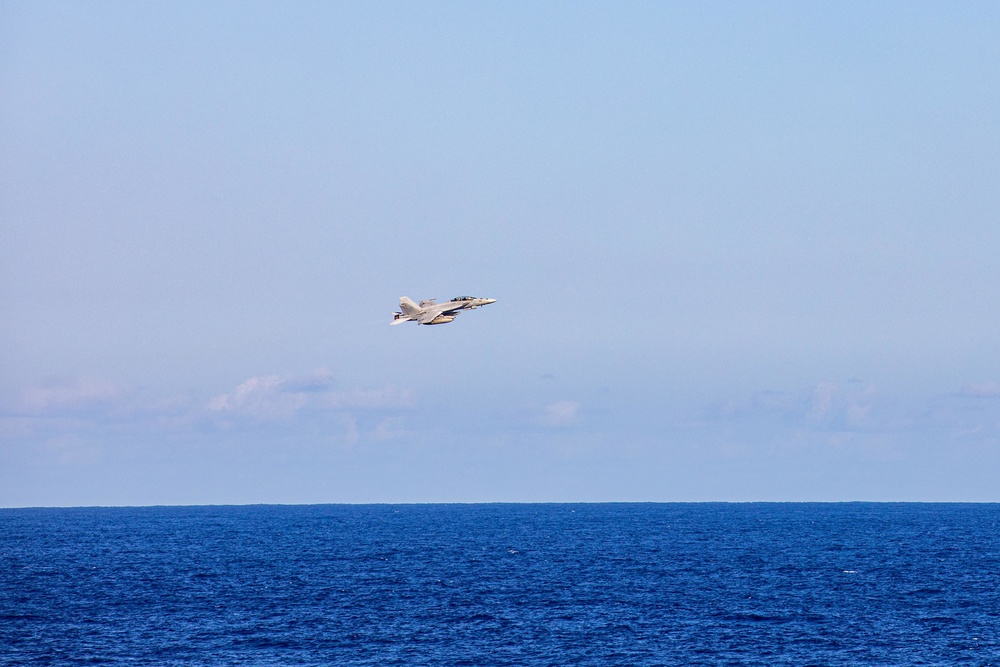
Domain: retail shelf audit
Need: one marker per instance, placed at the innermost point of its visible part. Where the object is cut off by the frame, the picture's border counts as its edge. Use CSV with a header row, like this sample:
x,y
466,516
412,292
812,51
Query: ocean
x,y
502,584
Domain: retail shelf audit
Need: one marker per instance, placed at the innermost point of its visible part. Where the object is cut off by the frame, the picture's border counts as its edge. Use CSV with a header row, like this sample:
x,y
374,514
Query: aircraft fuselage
x,y
429,311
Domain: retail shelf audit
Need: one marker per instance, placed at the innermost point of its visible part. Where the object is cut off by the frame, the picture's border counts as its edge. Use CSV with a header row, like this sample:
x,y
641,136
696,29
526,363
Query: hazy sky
x,y
741,251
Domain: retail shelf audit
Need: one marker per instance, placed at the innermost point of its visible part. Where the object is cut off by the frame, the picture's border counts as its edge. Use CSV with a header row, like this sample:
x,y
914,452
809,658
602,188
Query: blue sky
x,y
741,251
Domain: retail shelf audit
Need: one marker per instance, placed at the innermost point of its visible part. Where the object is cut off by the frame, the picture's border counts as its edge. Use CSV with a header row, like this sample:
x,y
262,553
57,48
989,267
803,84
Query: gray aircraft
x,y
430,311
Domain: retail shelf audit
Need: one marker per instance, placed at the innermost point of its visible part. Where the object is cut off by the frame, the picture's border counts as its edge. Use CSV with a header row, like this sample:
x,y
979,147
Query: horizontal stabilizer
x,y
399,317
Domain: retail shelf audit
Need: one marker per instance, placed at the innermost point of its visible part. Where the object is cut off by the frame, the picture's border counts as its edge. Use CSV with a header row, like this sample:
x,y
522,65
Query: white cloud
x,y
92,408
270,397
561,413
826,406
318,381
262,397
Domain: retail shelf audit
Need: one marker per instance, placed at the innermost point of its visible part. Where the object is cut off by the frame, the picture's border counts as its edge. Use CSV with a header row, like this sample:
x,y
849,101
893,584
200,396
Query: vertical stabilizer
x,y
408,307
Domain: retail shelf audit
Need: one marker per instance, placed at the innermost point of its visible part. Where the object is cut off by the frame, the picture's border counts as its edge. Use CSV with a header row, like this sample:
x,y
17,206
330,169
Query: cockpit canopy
x,y
464,298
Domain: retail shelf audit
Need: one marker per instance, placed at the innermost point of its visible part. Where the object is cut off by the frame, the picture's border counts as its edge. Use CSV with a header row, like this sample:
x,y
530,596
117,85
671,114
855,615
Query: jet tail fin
x,y
408,307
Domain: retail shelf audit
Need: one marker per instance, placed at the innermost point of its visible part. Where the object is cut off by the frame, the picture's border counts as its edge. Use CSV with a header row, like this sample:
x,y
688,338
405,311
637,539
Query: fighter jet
x,y
430,311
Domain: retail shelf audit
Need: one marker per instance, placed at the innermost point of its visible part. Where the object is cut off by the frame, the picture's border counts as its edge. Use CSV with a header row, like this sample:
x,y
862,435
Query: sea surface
x,y
502,584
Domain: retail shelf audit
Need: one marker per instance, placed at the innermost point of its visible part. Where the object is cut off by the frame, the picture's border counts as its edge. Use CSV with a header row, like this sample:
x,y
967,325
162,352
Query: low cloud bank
x,y
273,397
100,409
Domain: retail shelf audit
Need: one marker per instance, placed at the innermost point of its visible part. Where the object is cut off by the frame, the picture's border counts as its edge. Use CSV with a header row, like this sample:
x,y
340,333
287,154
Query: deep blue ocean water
x,y
547,584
